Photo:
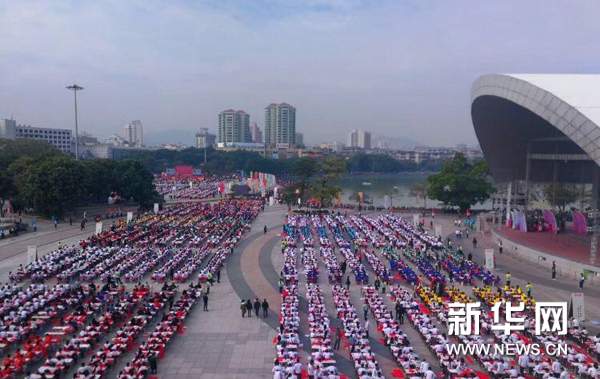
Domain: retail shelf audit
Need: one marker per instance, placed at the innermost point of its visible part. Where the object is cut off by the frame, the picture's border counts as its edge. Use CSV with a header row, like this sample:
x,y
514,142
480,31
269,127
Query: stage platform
x,y
566,245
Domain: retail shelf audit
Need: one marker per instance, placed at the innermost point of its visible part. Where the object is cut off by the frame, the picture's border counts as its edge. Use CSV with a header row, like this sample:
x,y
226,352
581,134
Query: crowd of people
x,y
52,328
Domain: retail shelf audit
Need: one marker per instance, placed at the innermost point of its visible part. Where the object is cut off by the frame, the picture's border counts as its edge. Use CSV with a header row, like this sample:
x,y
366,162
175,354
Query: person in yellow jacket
x,y
508,276
528,288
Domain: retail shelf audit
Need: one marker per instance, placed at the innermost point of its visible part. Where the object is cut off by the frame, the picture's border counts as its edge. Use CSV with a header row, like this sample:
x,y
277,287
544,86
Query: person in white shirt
x,y
310,369
429,374
423,367
523,363
556,367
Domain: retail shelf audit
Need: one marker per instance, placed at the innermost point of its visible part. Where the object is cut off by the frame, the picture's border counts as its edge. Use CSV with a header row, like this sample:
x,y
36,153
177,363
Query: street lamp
x,y
76,88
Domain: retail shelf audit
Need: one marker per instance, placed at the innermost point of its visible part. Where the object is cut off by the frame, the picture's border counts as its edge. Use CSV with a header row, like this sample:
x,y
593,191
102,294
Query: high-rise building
x,y
280,124
8,129
256,133
364,140
60,138
205,139
299,139
352,138
383,145
234,126
359,138
134,133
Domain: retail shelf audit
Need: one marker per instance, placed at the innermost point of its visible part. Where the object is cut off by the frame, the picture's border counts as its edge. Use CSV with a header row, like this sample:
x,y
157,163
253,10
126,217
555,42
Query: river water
x,y
376,186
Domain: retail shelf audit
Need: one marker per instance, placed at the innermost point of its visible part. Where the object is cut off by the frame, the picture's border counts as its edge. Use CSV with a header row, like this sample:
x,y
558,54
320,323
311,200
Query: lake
x,y
380,184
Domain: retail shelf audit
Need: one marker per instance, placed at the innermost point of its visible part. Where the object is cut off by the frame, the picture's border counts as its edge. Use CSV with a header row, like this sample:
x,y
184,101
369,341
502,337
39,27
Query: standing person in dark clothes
x,y
256,306
249,308
348,282
171,301
153,362
338,338
344,264
219,276
265,308
205,300
265,229
553,270
243,308
400,313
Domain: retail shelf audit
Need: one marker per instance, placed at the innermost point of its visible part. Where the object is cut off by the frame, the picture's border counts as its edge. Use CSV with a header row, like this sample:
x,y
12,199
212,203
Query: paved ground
x,y
566,244
221,344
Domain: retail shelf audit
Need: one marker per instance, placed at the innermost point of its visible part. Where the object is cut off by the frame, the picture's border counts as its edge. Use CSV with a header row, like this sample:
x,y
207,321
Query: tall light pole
x,y
76,88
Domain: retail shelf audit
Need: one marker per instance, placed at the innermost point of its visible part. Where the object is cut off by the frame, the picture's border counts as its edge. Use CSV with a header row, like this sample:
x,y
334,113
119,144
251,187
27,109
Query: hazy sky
x,y
395,67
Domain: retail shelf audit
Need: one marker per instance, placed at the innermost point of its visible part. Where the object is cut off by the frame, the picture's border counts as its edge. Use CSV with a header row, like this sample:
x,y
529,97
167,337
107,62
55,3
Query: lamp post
x,y
76,88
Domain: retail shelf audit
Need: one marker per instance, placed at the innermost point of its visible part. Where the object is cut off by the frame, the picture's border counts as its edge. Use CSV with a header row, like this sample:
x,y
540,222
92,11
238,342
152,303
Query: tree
x,y
460,183
559,195
290,194
304,169
393,193
135,182
420,190
356,198
330,169
52,186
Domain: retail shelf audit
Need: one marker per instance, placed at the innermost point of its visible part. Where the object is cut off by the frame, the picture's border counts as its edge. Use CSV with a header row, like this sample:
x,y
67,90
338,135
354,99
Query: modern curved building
x,y
539,128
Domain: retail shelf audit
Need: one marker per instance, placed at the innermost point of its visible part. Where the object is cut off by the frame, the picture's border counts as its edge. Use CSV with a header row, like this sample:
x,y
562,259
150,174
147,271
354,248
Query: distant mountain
x,y
185,137
400,143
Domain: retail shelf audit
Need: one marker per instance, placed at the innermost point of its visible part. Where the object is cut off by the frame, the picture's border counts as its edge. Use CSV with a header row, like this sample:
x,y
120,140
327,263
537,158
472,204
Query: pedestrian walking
x,y
553,270
377,283
581,280
470,257
249,308
280,286
474,242
500,246
70,221
367,327
348,282
265,308
508,276
243,308
256,306
365,311
383,287
219,276
205,301
265,229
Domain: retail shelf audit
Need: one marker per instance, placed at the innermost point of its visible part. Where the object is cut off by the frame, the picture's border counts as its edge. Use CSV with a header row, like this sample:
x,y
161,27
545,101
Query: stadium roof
x,y
511,110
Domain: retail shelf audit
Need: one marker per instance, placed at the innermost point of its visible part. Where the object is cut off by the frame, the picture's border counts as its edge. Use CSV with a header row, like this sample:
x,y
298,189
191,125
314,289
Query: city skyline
x,y
177,76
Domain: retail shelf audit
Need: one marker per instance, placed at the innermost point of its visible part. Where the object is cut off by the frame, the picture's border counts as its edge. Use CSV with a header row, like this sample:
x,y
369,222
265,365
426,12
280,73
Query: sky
x,y
399,68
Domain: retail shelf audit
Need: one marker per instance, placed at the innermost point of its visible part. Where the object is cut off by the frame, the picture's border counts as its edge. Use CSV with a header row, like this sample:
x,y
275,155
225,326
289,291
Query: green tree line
x,y
220,162
37,176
